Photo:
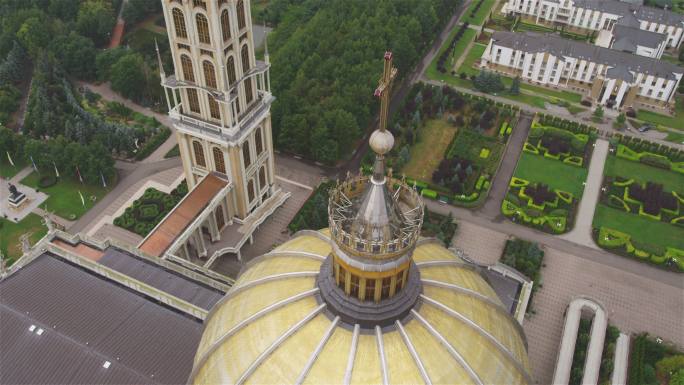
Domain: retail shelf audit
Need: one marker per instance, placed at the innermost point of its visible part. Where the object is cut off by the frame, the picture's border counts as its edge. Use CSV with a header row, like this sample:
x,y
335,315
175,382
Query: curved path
x,y
592,365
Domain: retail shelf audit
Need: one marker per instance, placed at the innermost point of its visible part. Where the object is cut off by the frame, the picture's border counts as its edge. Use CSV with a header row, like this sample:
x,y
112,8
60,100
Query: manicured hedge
x,y
622,243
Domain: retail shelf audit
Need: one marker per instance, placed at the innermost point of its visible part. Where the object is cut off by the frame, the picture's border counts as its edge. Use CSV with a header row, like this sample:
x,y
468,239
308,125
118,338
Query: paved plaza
x,y
479,243
634,304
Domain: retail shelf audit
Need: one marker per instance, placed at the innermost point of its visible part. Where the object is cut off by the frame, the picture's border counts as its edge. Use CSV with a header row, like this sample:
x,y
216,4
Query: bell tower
x,y
219,99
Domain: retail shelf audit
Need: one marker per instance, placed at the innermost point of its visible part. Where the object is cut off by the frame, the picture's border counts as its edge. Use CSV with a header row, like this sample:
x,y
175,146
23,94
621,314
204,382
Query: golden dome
x,y
273,327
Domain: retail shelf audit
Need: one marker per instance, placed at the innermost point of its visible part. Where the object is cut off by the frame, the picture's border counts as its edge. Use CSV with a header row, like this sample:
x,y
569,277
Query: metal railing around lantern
x,y
340,212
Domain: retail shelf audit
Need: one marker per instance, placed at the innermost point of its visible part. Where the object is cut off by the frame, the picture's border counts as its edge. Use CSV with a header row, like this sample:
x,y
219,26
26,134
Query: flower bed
x,y
314,213
148,210
641,216
549,178
460,172
536,205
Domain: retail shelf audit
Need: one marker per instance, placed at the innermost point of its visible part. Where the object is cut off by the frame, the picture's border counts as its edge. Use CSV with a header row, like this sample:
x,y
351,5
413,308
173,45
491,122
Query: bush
x,y
655,161
46,181
314,213
152,143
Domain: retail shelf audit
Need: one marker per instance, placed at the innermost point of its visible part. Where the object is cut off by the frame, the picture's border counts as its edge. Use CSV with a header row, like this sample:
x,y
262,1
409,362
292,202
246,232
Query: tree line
x,y
327,58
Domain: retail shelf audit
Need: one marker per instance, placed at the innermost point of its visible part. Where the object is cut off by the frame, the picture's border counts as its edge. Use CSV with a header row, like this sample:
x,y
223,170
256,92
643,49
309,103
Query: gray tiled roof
x,y
642,12
560,47
638,36
160,278
88,320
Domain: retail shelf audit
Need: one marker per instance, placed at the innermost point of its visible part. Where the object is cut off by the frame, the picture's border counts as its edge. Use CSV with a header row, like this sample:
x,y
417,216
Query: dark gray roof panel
x,y
88,320
535,42
639,36
160,278
642,12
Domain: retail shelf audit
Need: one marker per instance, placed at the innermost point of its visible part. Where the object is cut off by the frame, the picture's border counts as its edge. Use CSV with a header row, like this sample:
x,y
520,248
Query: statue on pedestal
x,y
16,197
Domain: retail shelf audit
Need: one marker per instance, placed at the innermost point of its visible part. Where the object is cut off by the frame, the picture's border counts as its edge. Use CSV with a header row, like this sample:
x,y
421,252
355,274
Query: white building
x,y
608,77
596,15
633,40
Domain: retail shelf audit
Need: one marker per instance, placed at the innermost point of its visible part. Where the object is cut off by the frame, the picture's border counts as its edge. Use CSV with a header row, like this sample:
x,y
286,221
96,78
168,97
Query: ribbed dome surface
x,y
272,328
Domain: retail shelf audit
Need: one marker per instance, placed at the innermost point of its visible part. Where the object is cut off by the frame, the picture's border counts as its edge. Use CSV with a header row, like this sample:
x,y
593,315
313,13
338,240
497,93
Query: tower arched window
x,y
179,23
241,14
214,109
262,177
193,99
245,155
202,28
250,191
186,66
225,25
230,68
218,160
209,74
199,153
258,142
245,67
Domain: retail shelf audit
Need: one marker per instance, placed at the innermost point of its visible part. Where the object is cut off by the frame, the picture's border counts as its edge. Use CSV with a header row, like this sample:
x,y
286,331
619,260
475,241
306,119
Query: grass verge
x,y
10,233
64,199
555,174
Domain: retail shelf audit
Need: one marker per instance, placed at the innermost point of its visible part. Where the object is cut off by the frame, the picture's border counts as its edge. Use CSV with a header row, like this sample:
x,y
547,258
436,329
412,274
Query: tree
x,y
620,120
9,102
515,86
598,113
76,54
127,76
136,10
105,60
14,67
34,34
96,20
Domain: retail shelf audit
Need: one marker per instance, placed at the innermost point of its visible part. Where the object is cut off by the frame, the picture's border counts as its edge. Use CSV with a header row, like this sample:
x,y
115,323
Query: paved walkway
x,y
497,193
592,363
581,233
672,280
479,243
118,31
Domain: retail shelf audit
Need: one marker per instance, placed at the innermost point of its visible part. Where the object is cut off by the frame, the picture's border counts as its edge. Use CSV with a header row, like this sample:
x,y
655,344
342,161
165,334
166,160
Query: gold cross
x,y
384,89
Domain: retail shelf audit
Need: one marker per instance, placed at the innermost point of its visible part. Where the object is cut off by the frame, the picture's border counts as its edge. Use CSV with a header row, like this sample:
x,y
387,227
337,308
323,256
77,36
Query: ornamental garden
x,y
641,209
148,210
548,182
450,145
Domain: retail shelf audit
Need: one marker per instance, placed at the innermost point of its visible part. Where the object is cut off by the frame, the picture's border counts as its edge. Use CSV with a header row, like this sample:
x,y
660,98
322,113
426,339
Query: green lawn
x,y
474,54
481,13
642,173
10,233
676,121
461,45
64,199
642,230
675,137
7,171
556,174
433,140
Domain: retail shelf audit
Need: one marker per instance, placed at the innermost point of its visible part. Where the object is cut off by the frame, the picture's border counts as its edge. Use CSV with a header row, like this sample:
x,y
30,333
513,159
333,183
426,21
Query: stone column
x,y
621,94
213,227
609,90
185,253
199,242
